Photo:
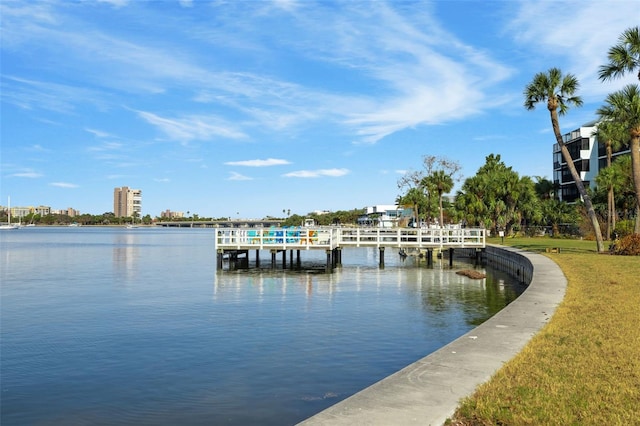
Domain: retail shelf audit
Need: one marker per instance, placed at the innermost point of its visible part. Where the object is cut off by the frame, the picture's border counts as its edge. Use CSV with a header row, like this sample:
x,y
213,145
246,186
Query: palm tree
x,y
545,189
613,135
558,92
623,57
623,107
611,178
442,183
413,198
555,212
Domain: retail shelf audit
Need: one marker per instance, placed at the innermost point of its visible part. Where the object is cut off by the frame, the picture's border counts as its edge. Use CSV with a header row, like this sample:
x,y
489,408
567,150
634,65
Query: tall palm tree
x,y
442,183
558,91
623,57
623,107
613,136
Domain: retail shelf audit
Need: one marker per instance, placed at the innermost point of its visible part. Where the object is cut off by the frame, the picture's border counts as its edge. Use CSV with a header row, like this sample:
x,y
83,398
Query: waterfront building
x,y
127,202
168,214
42,210
588,155
20,212
384,215
67,212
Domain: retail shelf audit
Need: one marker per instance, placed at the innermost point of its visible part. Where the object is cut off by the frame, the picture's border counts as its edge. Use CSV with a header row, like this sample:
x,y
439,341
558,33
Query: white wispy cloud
x,y
423,74
162,180
30,174
98,133
106,146
317,173
258,163
33,94
397,53
37,148
238,176
63,185
193,127
115,3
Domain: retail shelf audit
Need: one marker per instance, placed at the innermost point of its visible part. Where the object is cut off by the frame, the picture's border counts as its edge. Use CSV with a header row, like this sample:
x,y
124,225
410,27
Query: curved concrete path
x,y
428,391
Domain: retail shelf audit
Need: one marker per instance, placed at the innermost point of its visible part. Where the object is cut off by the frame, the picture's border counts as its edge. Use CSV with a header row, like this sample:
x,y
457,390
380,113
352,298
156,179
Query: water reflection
x,y
437,289
124,254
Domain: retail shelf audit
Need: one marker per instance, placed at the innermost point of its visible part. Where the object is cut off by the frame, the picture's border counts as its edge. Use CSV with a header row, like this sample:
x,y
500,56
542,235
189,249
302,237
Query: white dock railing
x,y
302,238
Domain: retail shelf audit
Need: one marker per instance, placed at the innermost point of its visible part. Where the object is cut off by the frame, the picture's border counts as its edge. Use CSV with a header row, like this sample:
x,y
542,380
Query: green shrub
x,y
624,228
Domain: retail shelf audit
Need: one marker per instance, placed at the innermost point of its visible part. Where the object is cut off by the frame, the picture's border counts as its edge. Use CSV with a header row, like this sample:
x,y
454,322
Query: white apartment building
x,y
588,155
383,215
127,202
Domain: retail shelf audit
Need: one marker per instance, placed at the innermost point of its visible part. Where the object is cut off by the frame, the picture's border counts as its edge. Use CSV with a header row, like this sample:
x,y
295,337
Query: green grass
x,y
583,367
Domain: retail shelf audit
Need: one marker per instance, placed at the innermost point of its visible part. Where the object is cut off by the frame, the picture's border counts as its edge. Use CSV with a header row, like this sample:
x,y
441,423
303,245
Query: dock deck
x,y
233,241
329,238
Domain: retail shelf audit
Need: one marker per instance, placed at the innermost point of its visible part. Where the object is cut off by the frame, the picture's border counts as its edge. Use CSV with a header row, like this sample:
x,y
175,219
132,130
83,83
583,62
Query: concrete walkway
x,y
428,391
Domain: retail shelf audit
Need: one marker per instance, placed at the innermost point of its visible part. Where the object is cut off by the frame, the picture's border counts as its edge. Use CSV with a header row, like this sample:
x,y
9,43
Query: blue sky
x,y
246,108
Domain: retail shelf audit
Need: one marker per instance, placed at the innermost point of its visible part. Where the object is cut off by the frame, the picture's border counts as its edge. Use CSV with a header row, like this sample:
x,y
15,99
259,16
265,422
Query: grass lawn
x,y
583,367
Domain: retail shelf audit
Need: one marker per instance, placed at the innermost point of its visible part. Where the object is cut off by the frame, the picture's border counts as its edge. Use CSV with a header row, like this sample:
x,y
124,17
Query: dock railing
x,y
303,238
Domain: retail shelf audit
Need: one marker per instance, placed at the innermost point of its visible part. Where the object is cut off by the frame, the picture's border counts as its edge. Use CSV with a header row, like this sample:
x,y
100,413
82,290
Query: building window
x,y
602,163
574,150
585,144
602,149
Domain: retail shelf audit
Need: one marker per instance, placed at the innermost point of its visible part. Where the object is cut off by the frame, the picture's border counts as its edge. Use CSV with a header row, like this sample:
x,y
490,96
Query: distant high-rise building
x,y
127,202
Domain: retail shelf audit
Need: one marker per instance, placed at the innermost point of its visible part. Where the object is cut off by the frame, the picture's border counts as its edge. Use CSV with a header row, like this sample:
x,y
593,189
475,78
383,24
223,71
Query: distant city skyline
x,y
243,109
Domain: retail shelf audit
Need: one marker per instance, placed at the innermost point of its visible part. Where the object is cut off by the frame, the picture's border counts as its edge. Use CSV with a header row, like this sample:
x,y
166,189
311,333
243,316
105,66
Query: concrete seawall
x,y
428,391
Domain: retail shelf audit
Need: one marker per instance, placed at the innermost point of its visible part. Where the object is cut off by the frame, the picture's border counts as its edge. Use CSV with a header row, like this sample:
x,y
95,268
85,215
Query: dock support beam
x,y
329,265
338,256
298,265
273,259
257,258
220,257
451,257
381,250
284,259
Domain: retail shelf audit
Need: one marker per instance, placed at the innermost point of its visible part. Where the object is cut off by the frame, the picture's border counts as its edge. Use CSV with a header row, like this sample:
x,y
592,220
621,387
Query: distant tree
x,y
623,107
420,193
442,184
610,178
613,136
623,57
556,213
545,189
497,198
558,92
414,198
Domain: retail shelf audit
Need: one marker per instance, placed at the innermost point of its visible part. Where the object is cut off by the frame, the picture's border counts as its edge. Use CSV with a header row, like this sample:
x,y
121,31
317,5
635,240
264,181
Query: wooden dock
x,y
234,244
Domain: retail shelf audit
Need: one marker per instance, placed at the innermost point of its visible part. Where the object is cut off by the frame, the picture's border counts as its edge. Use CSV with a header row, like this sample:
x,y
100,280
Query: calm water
x,y
116,326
